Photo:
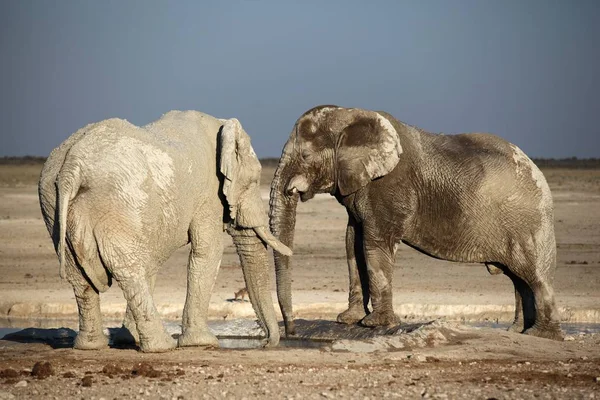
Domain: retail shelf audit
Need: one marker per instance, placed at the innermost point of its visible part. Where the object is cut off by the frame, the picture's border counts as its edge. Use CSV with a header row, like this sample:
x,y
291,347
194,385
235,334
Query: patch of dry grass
x,y
19,175
579,180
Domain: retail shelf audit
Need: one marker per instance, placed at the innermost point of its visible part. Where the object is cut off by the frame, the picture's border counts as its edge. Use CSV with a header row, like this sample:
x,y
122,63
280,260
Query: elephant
x,y
472,198
119,199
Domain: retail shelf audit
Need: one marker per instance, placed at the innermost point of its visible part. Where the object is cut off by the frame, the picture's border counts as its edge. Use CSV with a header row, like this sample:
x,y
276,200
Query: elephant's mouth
x,y
303,190
305,196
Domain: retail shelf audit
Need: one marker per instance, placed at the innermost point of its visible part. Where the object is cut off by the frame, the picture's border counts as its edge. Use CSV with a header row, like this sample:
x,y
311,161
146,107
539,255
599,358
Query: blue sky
x,y
528,71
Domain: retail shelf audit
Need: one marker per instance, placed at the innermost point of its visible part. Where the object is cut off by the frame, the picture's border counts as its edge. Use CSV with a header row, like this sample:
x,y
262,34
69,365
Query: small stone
x,y
569,338
111,369
145,369
9,373
21,384
6,395
598,379
584,358
86,381
42,370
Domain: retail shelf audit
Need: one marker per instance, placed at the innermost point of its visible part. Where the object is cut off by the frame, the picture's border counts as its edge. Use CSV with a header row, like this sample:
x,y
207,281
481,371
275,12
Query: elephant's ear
x,y
230,133
241,169
368,148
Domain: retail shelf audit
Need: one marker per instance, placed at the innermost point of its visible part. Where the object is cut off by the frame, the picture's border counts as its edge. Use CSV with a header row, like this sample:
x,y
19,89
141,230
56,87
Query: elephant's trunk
x,y
255,265
282,218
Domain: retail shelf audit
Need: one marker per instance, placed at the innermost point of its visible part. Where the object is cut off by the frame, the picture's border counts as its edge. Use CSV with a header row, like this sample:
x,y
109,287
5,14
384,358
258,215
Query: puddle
x,y
568,328
246,334
234,343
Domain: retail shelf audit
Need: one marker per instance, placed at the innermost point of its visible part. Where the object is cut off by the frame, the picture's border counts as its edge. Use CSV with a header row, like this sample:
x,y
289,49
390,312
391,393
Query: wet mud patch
x,y
333,336
416,336
247,334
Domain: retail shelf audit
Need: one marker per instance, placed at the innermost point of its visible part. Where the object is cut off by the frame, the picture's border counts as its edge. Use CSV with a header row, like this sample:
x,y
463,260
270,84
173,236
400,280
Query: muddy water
x,y
239,334
568,328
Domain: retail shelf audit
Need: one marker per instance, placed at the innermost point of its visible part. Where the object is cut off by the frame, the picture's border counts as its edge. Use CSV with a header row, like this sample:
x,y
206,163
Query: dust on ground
x,y
449,361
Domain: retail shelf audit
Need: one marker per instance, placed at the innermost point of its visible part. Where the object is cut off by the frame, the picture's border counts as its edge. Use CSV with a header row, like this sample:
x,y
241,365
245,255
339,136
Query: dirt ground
x,y
481,363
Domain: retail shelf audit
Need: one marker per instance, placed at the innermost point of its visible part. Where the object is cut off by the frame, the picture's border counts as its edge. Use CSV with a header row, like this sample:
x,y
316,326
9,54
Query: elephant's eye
x,y
305,155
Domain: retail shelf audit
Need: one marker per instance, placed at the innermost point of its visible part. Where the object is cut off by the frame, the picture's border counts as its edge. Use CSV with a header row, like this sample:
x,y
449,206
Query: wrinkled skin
x,y
466,198
118,200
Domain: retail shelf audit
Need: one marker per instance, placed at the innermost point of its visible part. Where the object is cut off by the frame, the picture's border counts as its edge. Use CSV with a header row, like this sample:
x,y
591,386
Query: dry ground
x,y
488,364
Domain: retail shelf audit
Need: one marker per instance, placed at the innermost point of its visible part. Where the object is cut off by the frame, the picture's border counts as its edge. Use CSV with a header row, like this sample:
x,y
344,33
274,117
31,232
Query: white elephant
x,y
119,199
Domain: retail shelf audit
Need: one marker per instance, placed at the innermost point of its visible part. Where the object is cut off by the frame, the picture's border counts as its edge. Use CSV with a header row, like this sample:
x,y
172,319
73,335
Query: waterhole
x,y
238,334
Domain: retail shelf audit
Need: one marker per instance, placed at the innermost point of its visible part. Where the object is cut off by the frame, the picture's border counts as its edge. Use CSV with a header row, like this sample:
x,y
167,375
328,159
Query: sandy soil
x,y
488,363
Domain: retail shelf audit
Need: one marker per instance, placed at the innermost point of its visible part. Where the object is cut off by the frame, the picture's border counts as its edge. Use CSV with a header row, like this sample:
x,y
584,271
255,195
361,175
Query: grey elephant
x,y
467,198
119,199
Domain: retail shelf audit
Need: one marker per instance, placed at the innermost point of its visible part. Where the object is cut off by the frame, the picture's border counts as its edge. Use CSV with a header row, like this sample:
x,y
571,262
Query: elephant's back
x,y
186,129
475,161
56,159
479,190
125,178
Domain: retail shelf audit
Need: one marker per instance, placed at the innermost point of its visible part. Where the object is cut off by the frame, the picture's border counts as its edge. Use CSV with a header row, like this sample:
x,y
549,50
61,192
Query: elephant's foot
x,y
126,336
85,341
198,337
352,315
517,326
158,343
290,327
548,331
381,318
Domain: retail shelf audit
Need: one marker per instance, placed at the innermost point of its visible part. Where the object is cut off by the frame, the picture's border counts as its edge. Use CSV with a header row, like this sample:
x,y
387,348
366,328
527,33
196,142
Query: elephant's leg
x,y
90,336
126,257
128,333
380,263
540,314
547,323
203,266
524,304
358,291
152,335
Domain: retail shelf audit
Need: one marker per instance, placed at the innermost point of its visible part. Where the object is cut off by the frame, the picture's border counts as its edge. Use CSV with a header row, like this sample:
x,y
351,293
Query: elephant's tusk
x,y
269,239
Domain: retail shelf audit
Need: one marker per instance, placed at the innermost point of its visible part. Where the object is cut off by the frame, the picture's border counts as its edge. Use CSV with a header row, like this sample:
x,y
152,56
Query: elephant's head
x,y
247,220
330,150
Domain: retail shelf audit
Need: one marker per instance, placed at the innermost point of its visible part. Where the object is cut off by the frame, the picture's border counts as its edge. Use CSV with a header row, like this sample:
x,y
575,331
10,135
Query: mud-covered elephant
x,y
467,198
119,199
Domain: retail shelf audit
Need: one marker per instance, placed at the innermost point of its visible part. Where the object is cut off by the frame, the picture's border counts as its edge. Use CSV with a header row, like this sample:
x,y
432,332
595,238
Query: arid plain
x,y
456,361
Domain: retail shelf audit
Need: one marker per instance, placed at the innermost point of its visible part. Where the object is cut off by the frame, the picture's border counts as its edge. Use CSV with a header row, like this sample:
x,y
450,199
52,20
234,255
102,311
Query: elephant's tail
x,y
68,182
